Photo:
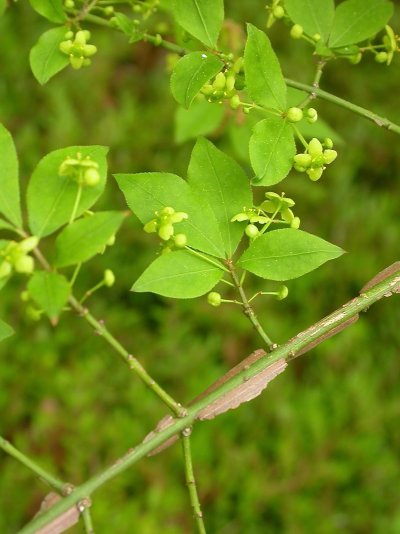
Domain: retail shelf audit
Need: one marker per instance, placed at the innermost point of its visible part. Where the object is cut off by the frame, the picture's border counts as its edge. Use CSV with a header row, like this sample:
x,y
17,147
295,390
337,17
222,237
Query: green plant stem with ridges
x,y
191,482
51,480
287,351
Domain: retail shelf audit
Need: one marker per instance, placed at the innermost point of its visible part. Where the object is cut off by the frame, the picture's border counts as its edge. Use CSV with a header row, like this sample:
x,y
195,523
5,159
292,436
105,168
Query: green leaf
x,y
50,291
264,80
201,18
286,254
224,186
5,330
51,197
45,58
146,193
191,73
358,20
272,149
86,237
202,118
3,5
315,16
179,275
9,184
50,9
4,225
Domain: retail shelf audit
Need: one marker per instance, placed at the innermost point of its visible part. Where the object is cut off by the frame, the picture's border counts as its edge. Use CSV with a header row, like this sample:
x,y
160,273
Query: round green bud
x,y
354,60
312,113
251,231
24,296
109,11
137,8
234,102
295,223
214,298
315,147
312,120
381,57
81,37
24,265
315,174
299,168
5,269
294,114
180,240
28,244
69,35
303,160
316,37
33,313
91,177
329,156
328,143
166,231
66,46
219,82
296,31
278,12
282,293
69,4
111,241
109,278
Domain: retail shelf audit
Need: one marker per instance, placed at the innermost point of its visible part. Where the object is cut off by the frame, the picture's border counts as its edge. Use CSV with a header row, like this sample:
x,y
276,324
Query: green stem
x,y
317,78
247,308
293,348
207,259
54,482
300,136
358,110
90,291
191,481
87,521
76,204
75,274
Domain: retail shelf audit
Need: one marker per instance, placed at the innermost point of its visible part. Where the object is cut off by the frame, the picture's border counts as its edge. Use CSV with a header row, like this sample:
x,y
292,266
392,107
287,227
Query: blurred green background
x,y
319,451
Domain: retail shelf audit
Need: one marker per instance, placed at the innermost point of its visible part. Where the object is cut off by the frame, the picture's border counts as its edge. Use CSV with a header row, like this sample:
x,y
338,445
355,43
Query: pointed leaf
x,y
201,18
146,193
272,149
5,330
45,58
224,186
315,16
51,197
9,183
50,9
86,237
264,80
50,291
358,20
191,73
286,254
202,118
179,275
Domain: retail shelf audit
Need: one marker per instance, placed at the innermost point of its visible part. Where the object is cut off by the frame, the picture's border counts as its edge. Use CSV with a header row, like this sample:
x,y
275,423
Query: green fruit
x,y
381,57
295,223
294,114
282,293
235,102
251,231
180,240
278,12
296,31
91,177
219,82
109,278
214,298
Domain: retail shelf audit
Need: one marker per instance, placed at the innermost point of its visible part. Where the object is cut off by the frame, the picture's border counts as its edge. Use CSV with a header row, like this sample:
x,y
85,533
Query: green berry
x,y
329,156
303,160
180,240
282,293
234,102
69,4
294,114
312,115
251,231
314,147
109,11
109,278
296,31
91,177
24,265
5,269
214,298
354,60
278,12
316,37
381,57
315,174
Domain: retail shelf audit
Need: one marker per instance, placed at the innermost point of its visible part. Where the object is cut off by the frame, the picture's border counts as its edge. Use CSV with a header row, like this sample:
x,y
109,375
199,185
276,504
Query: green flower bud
x,y
219,82
354,60
180,240
235,102
166,231
328,143
299,168
109,278
214,298
329,156
312,115
316,37
109,11
69,4
151,227
28,244
296,31
295,223
294,114
81,37
381,57
111,241
24,265
315,174
303,160
24,296
238,65
168,210
76,62
251,231
91,177
278,12
207,89
69,35
314,147
282,293
5,269
89,50
230,83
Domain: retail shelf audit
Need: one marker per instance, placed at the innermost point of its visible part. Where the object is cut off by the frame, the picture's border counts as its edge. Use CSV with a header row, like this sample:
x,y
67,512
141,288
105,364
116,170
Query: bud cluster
x,y
83,170
390,42
276,12
163,225
314,160
226,84
275,209
15,257
78,50
296,114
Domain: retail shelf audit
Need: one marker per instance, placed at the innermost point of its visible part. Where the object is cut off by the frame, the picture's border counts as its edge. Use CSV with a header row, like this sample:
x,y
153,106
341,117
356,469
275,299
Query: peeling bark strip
x,y
323,337
247,391
380,277
63,522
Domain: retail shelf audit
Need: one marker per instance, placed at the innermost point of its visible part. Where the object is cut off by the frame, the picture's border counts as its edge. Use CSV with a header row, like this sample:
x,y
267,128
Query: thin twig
x,y
87,521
